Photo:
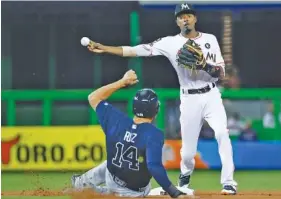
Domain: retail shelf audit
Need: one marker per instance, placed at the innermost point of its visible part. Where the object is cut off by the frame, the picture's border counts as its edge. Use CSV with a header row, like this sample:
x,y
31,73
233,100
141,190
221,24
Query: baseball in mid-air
x,y
85,41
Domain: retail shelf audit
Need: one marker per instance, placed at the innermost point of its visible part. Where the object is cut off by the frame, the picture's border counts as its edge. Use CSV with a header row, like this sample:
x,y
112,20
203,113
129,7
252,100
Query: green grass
x,y
201,180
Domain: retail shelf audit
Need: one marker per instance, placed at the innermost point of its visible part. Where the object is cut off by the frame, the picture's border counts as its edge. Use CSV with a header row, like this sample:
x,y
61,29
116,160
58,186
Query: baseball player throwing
x,y
133,146
198,62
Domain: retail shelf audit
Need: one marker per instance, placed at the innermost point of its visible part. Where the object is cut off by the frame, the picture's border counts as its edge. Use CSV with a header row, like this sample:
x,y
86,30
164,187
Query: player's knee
x,y
188,156
221,133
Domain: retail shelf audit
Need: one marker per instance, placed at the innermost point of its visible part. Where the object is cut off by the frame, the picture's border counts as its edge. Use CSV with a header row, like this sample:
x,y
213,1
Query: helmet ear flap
x,y
158,107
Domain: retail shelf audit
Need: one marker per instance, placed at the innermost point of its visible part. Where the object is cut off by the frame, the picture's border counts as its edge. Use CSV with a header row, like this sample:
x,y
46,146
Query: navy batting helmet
x,y
146,103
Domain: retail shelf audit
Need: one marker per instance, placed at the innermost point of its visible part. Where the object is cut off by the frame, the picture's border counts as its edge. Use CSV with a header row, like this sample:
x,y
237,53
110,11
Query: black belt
x,y
124,184
199,90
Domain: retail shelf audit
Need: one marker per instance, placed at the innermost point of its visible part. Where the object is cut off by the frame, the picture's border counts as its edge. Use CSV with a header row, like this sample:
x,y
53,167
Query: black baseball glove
x,y
191,56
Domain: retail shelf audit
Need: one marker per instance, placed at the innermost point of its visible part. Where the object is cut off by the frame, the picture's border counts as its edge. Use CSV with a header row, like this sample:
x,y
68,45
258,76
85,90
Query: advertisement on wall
x,y
52,148
83,147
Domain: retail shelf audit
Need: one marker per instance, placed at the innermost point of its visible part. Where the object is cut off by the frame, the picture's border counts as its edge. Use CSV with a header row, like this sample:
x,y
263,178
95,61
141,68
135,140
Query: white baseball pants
x,y
194,109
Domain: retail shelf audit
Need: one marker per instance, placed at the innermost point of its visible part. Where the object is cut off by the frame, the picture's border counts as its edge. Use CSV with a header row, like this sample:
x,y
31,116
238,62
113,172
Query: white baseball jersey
x,y
169,47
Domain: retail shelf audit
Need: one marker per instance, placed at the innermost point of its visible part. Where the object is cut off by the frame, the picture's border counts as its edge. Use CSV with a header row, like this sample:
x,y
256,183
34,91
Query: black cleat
x,y
229,190
184,180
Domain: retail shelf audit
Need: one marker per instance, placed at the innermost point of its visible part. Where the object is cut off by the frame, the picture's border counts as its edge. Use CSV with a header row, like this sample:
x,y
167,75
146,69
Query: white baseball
x,y
85,41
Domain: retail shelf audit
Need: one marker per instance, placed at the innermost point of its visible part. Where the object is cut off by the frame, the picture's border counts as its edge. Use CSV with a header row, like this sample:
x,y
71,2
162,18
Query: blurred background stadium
x,y
46,76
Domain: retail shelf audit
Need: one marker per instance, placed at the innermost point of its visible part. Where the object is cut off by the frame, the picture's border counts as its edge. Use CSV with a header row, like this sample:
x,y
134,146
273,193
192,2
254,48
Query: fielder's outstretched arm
x,y
123,51
152,49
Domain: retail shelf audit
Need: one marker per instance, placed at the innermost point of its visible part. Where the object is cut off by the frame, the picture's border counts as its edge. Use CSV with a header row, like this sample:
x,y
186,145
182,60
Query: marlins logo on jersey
x,y
211,57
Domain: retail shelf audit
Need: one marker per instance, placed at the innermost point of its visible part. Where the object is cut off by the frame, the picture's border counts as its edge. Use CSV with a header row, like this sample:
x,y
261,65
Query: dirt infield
x,y
89,194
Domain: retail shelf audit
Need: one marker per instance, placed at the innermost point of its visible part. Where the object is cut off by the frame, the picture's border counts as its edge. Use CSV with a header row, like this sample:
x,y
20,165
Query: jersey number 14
x,y
129,155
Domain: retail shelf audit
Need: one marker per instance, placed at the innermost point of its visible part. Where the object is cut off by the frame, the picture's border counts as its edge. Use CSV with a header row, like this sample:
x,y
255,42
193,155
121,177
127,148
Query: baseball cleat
x,y
73,180
229,190
184,180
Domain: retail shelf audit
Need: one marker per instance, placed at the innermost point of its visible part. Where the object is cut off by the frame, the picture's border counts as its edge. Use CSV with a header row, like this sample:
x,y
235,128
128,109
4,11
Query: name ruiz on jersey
x,y
129,137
